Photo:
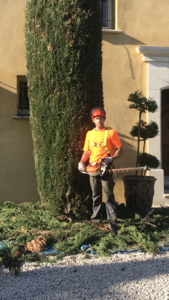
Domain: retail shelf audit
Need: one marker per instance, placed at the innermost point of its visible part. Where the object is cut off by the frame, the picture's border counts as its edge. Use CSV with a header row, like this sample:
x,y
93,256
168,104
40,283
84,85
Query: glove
x,y
81,167
106,160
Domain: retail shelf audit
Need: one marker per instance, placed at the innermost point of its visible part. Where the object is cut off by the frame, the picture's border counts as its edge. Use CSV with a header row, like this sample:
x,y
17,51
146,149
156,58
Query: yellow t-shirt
x,y
98,137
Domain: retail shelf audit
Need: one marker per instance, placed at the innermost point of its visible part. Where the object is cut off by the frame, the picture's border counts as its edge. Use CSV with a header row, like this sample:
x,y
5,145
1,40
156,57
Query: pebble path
x,y
137,276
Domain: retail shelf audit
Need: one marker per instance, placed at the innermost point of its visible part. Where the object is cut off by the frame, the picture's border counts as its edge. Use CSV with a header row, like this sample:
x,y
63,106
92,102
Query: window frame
x,y
110,14
21,111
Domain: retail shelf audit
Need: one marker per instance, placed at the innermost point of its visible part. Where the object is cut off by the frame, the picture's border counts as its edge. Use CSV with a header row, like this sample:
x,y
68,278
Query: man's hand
x,y
81,167
106,160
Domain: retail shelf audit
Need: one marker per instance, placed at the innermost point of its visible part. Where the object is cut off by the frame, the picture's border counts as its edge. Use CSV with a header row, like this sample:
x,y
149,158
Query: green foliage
x,y
85,234
148,160
147,131
63,52
136,230
10,261
141,103
86,256
142,129
143,240
107,243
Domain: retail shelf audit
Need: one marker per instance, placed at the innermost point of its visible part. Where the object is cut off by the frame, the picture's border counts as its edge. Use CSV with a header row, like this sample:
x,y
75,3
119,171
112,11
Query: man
x,y
98,146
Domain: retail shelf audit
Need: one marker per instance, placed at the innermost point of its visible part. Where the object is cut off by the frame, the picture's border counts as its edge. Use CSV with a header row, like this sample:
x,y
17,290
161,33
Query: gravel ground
x,y
137,276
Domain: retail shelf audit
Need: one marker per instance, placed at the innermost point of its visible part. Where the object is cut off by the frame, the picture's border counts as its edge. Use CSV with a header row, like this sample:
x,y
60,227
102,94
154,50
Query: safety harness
x,y
104,144
94,168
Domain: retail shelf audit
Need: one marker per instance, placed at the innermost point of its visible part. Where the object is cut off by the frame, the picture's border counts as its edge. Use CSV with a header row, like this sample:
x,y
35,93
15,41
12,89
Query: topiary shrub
x,y
149,160
63,52
142,130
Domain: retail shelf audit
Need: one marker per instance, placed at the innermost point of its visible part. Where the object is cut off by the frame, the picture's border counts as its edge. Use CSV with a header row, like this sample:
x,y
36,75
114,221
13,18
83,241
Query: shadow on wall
x,y
127,160
129,155
6,85
8,103
17,173
121,39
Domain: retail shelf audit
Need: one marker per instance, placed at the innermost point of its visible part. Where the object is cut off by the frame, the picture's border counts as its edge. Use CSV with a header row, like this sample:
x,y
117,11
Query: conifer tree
x,y
63,52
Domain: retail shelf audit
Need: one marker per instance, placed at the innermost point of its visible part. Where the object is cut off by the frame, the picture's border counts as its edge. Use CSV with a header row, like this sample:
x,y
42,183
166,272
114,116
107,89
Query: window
x,y
108,13
22,92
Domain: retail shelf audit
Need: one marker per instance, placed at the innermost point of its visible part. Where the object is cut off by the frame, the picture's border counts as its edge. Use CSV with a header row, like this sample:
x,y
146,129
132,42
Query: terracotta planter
x,y
139,190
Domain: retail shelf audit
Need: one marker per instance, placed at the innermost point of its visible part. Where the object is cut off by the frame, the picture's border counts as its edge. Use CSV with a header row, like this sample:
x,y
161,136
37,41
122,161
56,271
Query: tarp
x,y
48,250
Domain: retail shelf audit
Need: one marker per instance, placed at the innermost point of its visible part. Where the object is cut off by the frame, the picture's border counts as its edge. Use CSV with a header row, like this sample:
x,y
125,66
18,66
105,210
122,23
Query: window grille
x,y
23,100
104,11
108,13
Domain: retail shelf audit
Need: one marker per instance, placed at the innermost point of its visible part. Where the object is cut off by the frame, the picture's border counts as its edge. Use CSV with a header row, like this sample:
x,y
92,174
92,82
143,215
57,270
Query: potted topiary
x,y
139,189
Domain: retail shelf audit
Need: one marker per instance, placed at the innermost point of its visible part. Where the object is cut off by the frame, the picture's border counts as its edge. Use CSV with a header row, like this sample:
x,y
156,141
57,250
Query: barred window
x,y
108,13
23,100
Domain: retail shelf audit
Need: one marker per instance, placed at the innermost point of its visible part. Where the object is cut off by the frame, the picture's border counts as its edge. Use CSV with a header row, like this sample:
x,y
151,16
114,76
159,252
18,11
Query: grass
x,y
25,222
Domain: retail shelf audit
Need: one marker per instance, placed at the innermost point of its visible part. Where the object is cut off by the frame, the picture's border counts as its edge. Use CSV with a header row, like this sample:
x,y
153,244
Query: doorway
x,y
165,136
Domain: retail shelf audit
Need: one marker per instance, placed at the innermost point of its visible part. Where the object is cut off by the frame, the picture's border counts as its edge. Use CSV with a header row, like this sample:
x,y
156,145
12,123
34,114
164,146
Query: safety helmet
x,y
98,111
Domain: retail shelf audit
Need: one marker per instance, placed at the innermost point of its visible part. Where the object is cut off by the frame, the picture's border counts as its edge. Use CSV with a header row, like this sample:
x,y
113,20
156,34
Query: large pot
x,y
139,190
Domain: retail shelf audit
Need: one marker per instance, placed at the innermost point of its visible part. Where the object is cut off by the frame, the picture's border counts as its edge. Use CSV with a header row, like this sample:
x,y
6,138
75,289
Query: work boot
x,y
95,219
112,225
113,229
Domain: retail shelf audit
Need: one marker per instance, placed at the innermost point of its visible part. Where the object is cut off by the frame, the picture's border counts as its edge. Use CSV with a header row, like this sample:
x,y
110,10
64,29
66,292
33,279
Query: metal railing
x,y
23,100
108,13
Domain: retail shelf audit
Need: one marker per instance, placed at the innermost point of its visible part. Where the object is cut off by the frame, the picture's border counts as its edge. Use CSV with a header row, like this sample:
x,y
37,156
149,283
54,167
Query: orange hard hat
x,y
98,112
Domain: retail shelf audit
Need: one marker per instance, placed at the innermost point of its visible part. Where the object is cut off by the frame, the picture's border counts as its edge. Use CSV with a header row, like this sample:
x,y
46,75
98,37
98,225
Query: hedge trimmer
x,y
101,169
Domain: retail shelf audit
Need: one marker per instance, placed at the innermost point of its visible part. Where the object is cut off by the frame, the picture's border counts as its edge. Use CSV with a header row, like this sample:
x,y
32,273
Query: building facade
x,y
135,57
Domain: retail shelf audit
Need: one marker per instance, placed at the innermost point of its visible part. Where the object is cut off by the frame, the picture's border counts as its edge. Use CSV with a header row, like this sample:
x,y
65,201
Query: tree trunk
x,y
138,142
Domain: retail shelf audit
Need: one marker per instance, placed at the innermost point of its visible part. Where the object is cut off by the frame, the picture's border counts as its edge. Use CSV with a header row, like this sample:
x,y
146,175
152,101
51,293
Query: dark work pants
x,y
107,184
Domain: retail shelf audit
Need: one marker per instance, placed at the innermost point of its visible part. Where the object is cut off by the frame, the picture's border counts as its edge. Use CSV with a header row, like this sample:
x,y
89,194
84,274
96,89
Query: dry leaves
x,y
34,246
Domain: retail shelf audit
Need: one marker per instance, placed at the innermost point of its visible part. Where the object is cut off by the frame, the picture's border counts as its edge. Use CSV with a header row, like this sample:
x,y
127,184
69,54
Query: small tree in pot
x,y
139,190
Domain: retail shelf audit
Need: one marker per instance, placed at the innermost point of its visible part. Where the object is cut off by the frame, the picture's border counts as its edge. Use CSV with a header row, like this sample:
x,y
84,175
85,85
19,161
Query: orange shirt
x,y
98,137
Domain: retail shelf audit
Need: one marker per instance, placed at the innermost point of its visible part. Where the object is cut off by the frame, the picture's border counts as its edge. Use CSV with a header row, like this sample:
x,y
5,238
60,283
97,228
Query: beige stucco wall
x,y
17,174
141,22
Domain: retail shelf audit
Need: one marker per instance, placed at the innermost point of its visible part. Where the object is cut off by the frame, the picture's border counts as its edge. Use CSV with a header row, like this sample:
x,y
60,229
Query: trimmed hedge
x,y
64,62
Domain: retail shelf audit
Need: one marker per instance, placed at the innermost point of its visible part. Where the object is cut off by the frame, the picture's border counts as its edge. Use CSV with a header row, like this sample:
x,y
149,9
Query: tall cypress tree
x,y
63,51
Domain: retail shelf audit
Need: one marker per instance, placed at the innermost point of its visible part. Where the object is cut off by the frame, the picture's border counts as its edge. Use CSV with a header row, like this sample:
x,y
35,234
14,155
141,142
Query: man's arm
x,y
117,154
85,156
81,166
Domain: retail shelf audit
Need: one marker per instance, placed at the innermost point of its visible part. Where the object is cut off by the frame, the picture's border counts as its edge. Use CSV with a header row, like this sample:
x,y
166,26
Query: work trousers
x,y
107,184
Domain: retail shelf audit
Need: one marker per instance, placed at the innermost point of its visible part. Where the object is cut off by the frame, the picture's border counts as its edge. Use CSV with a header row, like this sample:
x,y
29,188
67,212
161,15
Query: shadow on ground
x,y
105,281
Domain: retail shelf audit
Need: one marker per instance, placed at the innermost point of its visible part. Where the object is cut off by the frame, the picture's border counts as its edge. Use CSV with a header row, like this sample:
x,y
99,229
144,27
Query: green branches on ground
x,y
9,260
106,243
143,240
63,52
136,230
